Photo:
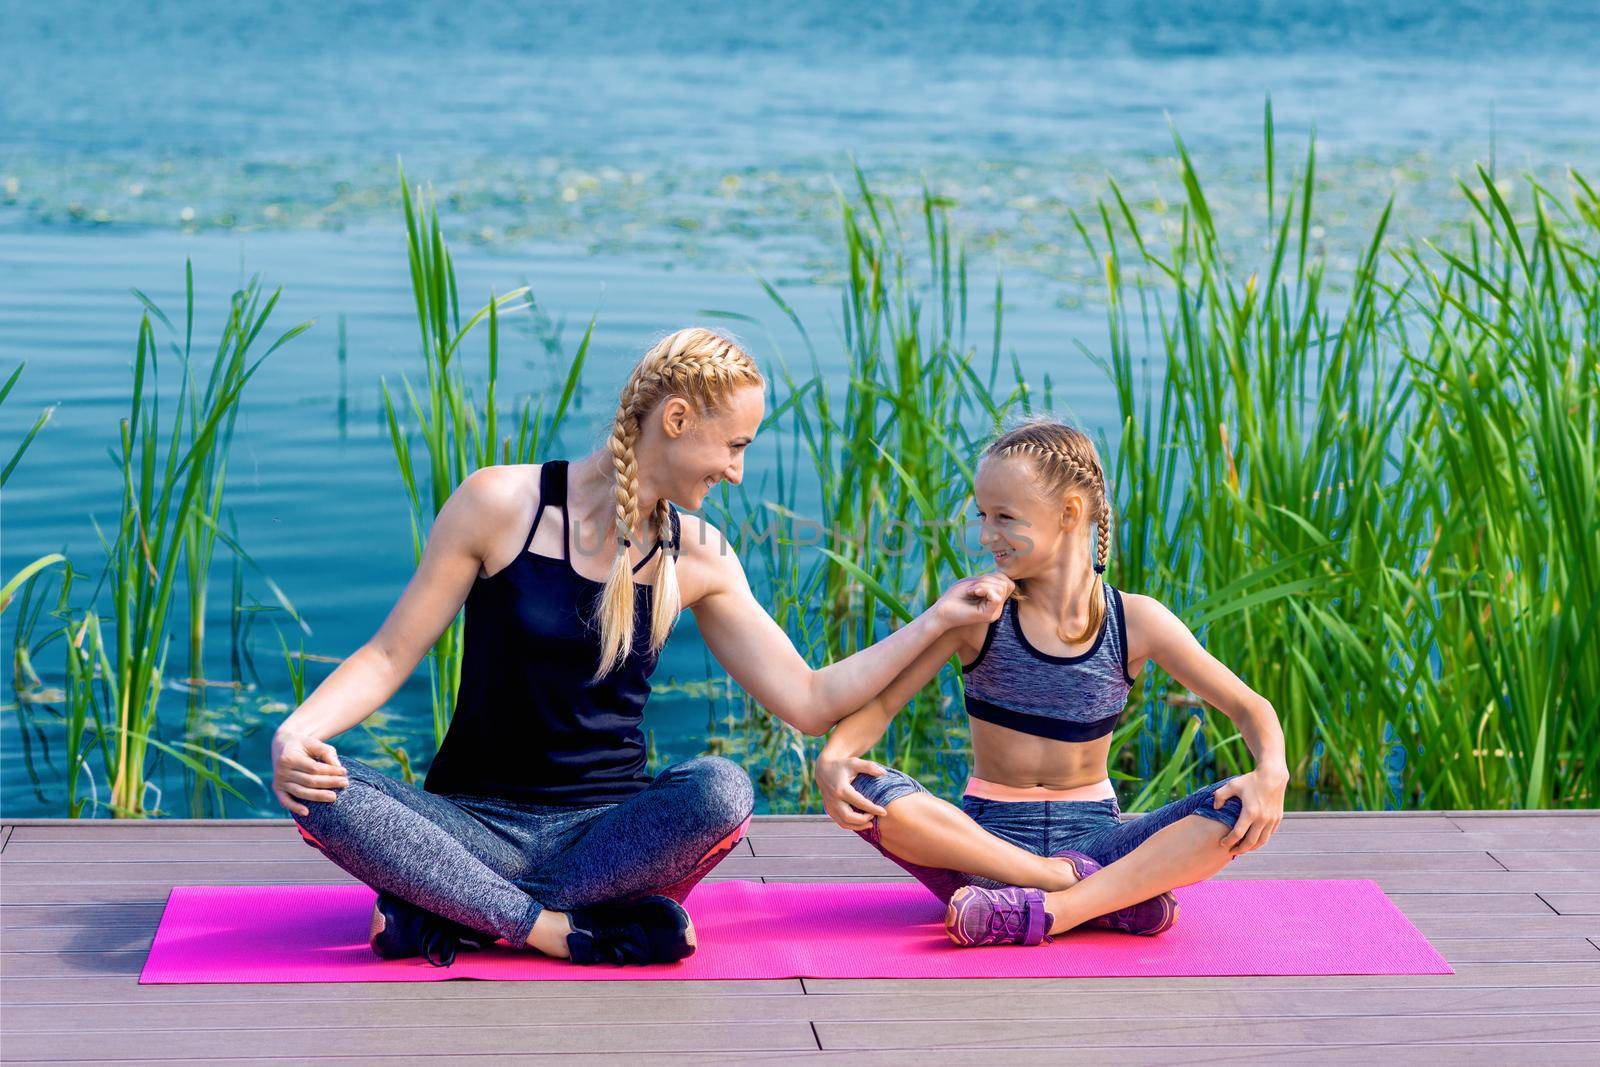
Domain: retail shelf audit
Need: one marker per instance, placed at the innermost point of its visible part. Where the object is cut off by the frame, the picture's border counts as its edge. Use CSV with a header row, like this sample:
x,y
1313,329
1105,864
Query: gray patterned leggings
x,y
493,865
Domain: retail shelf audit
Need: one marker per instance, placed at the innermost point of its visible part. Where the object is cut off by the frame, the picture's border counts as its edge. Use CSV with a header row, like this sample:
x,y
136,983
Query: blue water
x,y
638,162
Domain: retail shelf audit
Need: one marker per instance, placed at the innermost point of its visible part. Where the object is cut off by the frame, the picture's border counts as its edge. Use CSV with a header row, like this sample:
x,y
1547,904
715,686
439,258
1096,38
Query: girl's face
x,y
1023,528
708,448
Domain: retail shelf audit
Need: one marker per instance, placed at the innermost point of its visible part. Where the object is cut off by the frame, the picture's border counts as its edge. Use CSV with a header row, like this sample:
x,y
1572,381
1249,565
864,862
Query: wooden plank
x,y
1497,926
156,824
1449,882
56,940
1153,1031
502,1011
119,892
1414,904
243,872
1264,864
1467,976
434,1036
292,850
1515,822
1573,903
1453,884
16,917
110,892
1549,861
284,851
103,831
103,990
1581,1054
5,837
1514,950
1293,823
126,957
133,926
1281,843
112,952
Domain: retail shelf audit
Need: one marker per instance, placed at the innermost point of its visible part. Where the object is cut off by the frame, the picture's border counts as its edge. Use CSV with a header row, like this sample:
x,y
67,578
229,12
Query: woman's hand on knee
x,y
844,805
305,768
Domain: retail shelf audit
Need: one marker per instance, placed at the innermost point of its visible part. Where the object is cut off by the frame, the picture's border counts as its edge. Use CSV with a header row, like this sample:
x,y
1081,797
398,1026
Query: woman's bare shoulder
x,y
502,491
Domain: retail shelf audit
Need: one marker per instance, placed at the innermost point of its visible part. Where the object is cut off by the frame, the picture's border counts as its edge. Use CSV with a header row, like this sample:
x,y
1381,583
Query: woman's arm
x,y
839,762
304,765
862,729
761,659
1154,632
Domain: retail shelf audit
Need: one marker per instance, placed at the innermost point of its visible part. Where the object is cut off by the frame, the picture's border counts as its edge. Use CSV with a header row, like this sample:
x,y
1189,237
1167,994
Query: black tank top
x,y
528,723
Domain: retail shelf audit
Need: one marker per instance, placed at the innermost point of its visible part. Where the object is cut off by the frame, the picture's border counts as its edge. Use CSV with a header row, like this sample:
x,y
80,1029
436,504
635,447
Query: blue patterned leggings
x,y
493,865
1043,827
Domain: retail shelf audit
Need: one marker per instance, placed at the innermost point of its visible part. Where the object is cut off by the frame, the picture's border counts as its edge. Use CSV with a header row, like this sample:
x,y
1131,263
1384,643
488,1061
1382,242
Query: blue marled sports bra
x,y
1064,698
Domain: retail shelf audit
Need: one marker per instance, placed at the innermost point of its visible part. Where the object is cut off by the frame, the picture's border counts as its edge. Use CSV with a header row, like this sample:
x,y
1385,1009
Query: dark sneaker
x,y
1146,919
401,930
653,929
1009,916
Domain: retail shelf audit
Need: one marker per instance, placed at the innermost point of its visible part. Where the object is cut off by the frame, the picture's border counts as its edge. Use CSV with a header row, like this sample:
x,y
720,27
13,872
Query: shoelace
x,y
1008,924
438,945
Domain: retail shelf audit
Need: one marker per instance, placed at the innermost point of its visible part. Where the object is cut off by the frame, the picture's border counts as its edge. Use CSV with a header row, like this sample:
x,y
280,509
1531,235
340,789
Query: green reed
x,y
458,432
9,588
883,460
1371,491
1375,498
114,681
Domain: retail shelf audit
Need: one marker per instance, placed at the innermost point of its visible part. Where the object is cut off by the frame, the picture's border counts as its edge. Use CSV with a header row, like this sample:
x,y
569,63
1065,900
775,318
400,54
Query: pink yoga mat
x,y
318,933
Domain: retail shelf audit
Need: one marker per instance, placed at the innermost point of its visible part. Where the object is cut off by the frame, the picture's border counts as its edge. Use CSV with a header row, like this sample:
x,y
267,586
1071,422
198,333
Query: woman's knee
x,y
724,796
323,815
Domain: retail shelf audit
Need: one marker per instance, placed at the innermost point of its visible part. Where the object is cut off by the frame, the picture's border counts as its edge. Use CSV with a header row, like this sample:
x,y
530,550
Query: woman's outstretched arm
x,y
761,659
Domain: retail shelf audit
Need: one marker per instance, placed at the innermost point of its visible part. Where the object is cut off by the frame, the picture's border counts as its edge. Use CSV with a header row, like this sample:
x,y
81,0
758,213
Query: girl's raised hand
x,y
844,805
975,600
1261,808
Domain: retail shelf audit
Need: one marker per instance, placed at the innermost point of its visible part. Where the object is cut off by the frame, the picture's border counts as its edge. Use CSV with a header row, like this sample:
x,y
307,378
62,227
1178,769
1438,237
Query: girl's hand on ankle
x,y
846,807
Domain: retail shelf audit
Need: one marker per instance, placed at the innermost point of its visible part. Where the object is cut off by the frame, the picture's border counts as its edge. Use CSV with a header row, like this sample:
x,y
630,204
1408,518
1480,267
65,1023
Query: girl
x,y
1045,684
537,821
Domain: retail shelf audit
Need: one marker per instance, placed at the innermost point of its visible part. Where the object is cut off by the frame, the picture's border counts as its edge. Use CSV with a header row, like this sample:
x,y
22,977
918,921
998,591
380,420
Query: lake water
x,y
637,163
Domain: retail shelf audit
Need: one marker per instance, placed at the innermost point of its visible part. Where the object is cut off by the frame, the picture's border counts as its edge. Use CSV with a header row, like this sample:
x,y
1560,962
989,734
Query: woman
x,y
1044,686
537,821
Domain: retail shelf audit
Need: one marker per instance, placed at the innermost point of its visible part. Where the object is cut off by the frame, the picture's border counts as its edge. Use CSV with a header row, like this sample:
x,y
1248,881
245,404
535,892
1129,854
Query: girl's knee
x,y
1228,814
883,789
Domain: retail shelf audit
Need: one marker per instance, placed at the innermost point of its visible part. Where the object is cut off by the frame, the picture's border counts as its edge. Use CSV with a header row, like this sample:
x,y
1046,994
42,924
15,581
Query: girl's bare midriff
x,y
1018,760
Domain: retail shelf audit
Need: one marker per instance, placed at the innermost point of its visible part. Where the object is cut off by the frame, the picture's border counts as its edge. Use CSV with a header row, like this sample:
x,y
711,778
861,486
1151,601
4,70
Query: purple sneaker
x,y
1009,916
1083,864
1146,919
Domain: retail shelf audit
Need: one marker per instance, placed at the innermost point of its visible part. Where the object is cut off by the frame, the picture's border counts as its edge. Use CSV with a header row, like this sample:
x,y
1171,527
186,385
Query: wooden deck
x,y
1511,899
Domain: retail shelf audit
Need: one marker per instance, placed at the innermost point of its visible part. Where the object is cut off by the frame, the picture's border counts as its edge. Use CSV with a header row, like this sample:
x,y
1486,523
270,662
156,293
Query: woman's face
x,y
1018,524
709,447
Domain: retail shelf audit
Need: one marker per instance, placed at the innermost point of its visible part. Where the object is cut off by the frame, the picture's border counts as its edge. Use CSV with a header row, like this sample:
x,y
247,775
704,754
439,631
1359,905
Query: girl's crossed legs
x,y
991,843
